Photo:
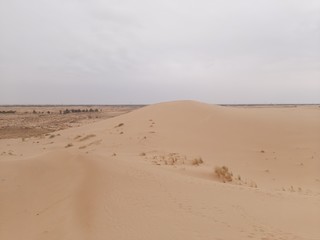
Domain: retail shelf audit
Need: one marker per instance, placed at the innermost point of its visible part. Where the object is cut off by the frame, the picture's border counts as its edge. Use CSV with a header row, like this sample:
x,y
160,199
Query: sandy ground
x,y
150,174
29,121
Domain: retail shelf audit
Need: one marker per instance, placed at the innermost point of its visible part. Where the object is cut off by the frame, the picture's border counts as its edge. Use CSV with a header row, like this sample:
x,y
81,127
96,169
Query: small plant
x,y
142,154
253,185
197,161
223,174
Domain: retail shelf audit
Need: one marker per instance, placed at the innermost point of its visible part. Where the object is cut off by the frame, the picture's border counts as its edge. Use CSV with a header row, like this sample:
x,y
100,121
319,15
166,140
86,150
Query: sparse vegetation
x,y
8,112
223,174
253,185
175,159
197,161
79,111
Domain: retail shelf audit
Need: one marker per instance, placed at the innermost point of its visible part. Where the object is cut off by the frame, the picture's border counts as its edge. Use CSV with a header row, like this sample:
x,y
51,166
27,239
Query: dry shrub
x,y
69,145
223,174
253,184
197,161
142,154
176,159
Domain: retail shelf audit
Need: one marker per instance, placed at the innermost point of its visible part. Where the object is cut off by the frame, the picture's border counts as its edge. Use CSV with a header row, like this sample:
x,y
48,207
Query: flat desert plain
x,y
175,170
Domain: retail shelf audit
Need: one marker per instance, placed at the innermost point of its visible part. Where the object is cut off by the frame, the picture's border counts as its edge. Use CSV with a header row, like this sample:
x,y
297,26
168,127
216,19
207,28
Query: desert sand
x,y
150,174
28,121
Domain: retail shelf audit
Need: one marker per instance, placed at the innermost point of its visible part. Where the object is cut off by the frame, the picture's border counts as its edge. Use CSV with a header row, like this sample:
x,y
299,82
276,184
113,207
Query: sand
x,y
31,121
150,174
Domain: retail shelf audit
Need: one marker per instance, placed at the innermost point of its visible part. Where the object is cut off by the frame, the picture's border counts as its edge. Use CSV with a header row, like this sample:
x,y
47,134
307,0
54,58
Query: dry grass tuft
x,y
223,174
69,145
253,185
197,161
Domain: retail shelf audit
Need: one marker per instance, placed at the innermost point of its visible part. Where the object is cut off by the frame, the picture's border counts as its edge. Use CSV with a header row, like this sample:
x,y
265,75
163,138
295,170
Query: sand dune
x,y
149,174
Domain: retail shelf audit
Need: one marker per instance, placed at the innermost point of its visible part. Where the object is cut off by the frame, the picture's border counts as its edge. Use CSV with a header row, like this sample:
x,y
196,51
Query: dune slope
x,y
149,174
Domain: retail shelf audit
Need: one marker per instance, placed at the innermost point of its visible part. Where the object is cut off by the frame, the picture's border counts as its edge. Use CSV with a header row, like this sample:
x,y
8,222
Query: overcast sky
x,y
144,51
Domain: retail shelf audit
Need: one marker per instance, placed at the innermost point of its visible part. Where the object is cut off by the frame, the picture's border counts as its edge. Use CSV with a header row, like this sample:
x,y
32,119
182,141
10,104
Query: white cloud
x,y
142,51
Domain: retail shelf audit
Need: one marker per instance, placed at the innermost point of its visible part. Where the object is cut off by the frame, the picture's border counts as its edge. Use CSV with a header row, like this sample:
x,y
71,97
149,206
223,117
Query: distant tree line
x,y
35,112
10,111
66,111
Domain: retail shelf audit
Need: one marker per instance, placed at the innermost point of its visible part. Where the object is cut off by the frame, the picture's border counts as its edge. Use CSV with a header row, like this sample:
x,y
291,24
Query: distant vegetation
x,y
223,174
5,112
78,110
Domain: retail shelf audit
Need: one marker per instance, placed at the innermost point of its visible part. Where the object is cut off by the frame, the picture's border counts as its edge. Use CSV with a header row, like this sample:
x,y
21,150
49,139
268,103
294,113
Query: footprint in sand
x,y
152,123
87,137
97,142
119,125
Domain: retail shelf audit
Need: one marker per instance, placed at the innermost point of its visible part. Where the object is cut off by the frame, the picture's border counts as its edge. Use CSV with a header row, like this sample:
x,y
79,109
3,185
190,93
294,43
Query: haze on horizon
x,y
134,52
